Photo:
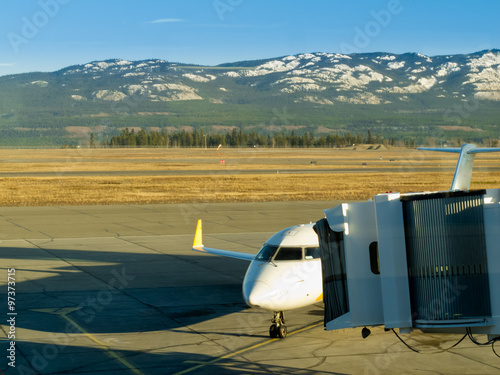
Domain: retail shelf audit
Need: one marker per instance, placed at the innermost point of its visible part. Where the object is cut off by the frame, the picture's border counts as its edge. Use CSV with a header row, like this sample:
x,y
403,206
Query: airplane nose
x,y
257,293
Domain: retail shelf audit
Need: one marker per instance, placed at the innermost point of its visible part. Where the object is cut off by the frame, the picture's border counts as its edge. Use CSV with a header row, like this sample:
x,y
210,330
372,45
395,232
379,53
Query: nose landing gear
x,y
278,328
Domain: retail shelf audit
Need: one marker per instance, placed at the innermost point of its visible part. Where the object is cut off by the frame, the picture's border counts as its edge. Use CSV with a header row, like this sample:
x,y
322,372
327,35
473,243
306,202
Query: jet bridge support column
x,y
393,263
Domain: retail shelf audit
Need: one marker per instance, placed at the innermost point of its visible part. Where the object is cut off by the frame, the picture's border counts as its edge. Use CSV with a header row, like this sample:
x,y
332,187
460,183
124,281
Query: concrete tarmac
x,y
117,290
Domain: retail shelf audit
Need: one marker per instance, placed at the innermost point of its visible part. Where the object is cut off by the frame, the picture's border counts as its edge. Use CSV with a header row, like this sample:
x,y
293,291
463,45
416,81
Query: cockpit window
x,y
312,253
289,253
266,253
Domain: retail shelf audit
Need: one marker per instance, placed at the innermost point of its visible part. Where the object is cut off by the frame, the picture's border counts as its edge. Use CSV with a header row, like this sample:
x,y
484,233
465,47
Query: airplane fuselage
x,y
283,285
286,273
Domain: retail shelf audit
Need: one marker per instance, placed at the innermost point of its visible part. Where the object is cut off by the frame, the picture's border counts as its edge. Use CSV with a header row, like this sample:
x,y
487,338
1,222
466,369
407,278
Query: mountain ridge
x,y
396,95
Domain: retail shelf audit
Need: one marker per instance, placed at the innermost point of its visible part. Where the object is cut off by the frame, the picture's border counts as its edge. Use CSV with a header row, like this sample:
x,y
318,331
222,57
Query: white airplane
x,y
284,275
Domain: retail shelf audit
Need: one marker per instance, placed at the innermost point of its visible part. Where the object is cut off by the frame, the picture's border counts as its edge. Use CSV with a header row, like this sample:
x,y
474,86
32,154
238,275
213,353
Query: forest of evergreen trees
x,y
239,138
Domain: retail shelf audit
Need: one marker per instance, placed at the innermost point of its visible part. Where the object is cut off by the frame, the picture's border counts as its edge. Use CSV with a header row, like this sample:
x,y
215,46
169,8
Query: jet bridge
x,y
428,261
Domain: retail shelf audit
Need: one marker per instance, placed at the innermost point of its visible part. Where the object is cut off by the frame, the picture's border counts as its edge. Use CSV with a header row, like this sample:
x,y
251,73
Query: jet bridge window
x,y
266,253
289,253
311,253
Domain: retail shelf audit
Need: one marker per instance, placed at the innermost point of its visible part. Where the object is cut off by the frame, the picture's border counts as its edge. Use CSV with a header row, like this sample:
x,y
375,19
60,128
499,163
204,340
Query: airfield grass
x,y
402,171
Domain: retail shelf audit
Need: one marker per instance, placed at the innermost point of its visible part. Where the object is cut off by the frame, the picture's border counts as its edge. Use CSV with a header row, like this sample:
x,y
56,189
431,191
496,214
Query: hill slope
x,y
409,95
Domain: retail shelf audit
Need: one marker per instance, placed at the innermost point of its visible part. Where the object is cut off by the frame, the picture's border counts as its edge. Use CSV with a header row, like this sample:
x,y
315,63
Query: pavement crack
x,y
80,212
140,230
18,225
321,359
116,234
138,244
474,359
47,235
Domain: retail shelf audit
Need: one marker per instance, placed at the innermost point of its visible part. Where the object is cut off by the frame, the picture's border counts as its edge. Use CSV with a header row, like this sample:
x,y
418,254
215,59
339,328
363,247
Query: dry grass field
x,y
137,176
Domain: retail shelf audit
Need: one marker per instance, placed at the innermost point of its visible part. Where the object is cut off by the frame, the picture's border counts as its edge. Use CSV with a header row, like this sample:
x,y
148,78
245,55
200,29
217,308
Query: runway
x,y
230,172
117,290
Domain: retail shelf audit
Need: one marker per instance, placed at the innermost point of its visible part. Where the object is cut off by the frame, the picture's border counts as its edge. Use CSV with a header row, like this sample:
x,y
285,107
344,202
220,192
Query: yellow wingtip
x,y
198,237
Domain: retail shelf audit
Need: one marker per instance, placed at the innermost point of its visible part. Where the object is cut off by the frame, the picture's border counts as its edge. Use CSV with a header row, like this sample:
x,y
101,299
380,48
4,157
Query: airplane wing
x,y
198,246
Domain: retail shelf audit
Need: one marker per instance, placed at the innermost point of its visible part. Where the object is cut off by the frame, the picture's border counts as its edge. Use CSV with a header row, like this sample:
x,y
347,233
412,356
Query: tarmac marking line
x,y
109,352
244,350
63,314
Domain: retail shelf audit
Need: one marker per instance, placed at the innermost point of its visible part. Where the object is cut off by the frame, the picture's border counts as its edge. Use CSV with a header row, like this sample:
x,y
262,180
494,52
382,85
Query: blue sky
x,y
46,35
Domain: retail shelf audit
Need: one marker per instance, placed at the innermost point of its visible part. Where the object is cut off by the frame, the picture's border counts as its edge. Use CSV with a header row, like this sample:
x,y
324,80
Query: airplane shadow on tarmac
x,y
66,298
132,293
50,359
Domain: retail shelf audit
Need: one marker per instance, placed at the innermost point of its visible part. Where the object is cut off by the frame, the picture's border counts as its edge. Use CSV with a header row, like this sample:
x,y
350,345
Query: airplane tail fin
x,y
463,170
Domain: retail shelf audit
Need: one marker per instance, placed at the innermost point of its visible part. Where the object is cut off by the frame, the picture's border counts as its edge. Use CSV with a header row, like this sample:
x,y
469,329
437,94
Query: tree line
x,y
238,138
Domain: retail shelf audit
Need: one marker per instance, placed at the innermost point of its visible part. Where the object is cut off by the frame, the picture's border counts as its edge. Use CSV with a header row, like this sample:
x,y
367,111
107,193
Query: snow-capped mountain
x,y
324,78
316,91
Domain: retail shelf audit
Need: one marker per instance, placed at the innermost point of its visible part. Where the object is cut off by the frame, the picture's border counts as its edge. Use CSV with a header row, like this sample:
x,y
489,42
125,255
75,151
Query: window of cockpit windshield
x,y
311,253
289,253
266,253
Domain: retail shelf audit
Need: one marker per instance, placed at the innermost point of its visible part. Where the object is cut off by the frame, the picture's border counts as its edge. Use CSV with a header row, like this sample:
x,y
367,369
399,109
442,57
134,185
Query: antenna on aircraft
x,y
463,170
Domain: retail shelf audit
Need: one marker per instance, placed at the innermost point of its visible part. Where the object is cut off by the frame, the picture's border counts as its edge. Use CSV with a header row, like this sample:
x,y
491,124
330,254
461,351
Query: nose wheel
x,y
278,328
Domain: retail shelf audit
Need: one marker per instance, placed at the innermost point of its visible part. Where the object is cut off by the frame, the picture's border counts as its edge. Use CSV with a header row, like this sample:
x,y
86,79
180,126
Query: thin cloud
x,y
239,26
7,64
167,20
